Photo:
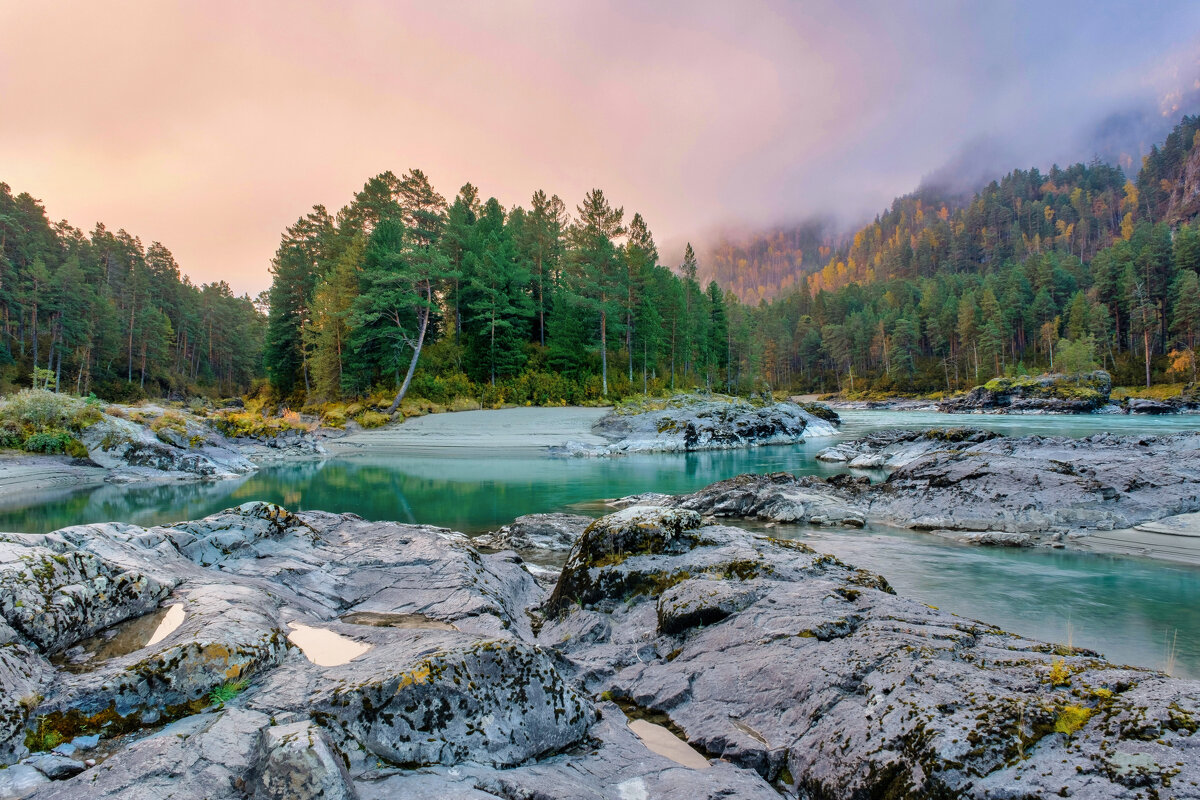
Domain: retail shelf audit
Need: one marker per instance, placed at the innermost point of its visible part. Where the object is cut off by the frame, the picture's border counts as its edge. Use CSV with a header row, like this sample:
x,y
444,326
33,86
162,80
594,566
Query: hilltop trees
x,y
527,303
101,312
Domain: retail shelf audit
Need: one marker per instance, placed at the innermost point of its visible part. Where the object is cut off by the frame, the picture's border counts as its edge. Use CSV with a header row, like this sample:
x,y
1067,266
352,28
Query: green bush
x,y
39,409
55,440
11,436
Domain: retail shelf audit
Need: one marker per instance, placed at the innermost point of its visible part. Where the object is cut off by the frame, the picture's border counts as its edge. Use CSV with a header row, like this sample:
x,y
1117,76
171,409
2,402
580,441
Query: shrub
x,y
491,396
1060,673
334,416
1071,719
170,421
372,419
39,409
11,436
55,440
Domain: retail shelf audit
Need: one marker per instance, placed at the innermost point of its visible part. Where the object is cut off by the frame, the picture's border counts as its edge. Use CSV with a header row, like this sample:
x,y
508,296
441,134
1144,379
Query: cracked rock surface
x,y
266,654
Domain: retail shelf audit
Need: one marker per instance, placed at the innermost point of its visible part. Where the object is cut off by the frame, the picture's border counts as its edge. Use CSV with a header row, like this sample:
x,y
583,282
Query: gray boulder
x,y
1146,405
1050,393
695,422
203,757
54,595
776,497
297,762
20,780
616,765
134,451
536,532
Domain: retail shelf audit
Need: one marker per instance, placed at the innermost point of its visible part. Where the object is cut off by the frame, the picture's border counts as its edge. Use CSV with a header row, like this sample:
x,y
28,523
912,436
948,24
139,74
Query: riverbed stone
x,y
54,598
298,762
20,780
615,766
423,697
687,423
973,481
203,757
536,532
784,668
55,767
229,633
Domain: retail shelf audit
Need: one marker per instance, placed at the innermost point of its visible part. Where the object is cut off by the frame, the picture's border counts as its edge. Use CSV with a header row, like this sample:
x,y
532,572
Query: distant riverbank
x,y
521,428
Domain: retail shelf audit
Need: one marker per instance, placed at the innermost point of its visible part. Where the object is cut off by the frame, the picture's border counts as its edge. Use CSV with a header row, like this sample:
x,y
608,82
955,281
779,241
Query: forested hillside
x,y
402,290
100,312
763,266
931,296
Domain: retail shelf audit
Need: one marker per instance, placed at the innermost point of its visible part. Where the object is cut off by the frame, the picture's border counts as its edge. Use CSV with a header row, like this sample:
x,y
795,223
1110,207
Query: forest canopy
x,y
406,291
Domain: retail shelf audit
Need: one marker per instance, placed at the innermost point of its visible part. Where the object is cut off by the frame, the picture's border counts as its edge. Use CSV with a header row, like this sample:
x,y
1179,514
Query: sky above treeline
x,y
210,126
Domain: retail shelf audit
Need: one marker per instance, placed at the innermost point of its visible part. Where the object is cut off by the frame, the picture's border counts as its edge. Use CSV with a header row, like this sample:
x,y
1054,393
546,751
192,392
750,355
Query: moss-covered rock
x,y
1074,394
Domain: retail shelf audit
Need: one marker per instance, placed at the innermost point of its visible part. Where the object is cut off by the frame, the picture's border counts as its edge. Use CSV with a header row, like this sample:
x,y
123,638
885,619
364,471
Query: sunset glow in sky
x,y
210,126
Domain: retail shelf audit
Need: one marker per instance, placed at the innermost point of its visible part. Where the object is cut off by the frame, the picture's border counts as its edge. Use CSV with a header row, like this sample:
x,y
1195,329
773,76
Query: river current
x,y
1133,610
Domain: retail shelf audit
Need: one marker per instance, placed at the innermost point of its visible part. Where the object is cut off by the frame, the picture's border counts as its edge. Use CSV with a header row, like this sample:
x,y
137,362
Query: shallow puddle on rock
x,y
660,740
324,647
170,623
383,620
121,639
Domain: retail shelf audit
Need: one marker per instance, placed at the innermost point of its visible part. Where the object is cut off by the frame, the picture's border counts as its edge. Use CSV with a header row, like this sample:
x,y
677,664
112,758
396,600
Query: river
x,y
1132,610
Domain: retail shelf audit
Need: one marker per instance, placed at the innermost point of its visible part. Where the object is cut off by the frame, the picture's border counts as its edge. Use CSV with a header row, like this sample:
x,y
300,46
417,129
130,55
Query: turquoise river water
x,y
1133,610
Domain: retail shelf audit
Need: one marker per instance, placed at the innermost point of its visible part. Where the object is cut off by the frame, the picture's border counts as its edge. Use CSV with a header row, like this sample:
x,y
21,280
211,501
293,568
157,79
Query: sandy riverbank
x,y
23,474
508,429
1170,539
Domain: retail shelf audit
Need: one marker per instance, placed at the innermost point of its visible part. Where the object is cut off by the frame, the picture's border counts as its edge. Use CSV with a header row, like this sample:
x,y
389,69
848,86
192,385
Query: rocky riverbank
x,y
259,653
60,442
1088,393
982,488
687,423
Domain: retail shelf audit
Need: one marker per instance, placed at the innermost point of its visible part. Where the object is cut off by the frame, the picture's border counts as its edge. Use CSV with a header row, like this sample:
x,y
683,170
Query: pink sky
x,y
210,126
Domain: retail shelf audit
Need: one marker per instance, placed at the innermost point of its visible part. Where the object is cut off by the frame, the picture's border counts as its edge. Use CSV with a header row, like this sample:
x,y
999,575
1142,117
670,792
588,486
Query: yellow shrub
x,y
372,419
1060,673
1071,719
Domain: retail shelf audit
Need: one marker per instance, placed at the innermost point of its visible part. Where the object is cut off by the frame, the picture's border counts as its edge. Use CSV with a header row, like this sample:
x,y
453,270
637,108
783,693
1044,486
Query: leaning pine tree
x,y
401,275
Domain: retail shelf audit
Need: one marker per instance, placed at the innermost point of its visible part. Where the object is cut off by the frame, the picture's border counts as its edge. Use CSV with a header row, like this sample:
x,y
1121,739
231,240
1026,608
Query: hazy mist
x,y
211,126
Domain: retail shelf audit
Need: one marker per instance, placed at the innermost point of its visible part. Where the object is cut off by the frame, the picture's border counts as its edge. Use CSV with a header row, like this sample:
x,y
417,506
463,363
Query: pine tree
x,y
1185,312
640,257
595,264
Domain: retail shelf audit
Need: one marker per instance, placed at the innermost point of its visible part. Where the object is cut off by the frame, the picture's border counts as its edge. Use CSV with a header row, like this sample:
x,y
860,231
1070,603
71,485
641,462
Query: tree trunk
x,y
604,352
412,367
129,372
1146,342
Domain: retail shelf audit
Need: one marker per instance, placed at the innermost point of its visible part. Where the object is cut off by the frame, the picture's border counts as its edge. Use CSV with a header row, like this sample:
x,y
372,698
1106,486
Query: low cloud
x,y
211,126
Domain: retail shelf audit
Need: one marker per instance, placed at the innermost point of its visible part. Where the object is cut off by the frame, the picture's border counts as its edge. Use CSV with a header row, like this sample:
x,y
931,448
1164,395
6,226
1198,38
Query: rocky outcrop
x,y
814,676
895,448
416,649
1184,203
1144,405
320,655
1052,393
536,532
1049,489
183,448
687,423
777,497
